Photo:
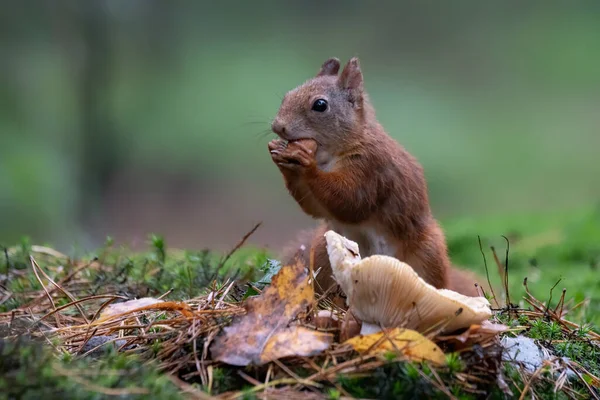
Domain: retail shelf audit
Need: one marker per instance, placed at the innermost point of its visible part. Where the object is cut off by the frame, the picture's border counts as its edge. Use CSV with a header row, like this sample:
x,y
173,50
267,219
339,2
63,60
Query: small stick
x,y
498,264
99,296
502,274
269,372
45,290
290,372
438,383
60,283
506,271
550,298
237,246
168,292
487,272
561,303
533,377
65,291
332,381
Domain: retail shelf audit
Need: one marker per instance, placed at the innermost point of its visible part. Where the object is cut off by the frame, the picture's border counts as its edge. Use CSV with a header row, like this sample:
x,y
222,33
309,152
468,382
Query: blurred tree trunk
x,y
99,153
82,32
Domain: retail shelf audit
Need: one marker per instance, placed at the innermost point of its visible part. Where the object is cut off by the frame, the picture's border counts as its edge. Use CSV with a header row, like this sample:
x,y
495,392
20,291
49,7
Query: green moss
x,y
397,380
29,371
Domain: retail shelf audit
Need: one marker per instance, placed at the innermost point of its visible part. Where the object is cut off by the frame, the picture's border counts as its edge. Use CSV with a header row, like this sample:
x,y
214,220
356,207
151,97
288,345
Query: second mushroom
x,y
385,292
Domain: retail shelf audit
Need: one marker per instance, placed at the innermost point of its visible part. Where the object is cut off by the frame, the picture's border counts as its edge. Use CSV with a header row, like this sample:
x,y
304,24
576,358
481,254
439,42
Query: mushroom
x,y
385,292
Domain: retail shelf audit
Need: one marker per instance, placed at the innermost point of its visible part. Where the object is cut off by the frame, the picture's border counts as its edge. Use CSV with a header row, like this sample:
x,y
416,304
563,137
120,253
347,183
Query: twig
x,y
60,283
187,388
289,372
224,295
487,272
587,385
100,296
65,291
531,379
498,264
33,266
332,381
282,381
561,303
237,246
508,303
102,307
550,298
162,296
438,383
248,378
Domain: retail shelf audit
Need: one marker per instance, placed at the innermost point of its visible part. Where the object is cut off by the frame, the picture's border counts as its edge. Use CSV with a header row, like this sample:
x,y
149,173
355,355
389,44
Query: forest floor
x,y
63,335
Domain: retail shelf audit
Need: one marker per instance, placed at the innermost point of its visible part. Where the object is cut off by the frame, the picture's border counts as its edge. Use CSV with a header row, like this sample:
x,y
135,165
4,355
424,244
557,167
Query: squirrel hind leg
x,y
428,256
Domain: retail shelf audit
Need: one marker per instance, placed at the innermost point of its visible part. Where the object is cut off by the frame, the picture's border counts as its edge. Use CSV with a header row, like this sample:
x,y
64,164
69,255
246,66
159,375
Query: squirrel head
x,y
328,108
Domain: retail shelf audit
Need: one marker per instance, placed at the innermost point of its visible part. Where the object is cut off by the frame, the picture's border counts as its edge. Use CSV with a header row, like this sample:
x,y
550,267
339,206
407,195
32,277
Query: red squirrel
x,y
342,168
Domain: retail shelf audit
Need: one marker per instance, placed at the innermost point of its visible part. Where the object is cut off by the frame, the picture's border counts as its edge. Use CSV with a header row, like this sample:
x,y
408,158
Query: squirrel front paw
x,y
296,155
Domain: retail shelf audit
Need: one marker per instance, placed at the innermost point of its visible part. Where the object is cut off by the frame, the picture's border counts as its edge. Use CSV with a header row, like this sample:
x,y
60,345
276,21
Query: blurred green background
x,y
128,117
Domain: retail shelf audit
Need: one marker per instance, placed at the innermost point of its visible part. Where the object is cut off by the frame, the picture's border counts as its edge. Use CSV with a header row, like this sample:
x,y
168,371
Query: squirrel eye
x,y
319,105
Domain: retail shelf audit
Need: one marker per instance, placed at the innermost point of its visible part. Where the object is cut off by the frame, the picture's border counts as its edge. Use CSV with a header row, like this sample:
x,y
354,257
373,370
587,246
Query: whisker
x,y
266,123
263,134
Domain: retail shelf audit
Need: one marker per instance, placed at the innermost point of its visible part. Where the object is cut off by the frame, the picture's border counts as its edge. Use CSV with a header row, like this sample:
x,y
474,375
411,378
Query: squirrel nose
x,y
278,127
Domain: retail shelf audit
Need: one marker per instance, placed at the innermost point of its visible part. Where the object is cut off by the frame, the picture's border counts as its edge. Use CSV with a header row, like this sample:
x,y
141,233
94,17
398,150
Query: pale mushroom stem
x,y
368,328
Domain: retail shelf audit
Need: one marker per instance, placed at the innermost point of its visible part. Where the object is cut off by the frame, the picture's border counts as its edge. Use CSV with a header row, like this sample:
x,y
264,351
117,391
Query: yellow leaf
x,y
295,341
410,343
265,332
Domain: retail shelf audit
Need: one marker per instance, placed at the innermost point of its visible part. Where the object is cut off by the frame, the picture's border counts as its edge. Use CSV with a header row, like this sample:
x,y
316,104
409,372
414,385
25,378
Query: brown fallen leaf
x,y
264,332
410,343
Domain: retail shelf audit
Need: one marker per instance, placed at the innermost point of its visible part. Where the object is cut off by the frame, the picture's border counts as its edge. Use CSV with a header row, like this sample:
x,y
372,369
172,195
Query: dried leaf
x,y
295,341
126,306
264,334
411,343
48,251
145,303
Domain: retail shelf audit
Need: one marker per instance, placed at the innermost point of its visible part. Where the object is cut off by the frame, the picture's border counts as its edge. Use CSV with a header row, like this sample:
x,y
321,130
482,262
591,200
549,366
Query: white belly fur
x,y
370,240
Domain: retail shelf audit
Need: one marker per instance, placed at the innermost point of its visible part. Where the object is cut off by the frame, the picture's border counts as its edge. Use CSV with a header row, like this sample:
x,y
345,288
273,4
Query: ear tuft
x,y
351,79
329,67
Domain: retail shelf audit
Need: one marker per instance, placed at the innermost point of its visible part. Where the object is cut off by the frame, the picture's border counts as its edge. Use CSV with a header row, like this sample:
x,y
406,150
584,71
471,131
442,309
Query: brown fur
x,y
344,169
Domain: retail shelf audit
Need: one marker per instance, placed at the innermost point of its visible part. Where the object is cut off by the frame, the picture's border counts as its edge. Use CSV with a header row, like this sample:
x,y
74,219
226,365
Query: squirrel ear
x,y
329,67
352,78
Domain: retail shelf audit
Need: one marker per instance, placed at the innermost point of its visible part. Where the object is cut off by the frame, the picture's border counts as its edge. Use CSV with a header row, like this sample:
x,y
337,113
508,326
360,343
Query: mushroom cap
x,y
343,254
389,292
385,291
